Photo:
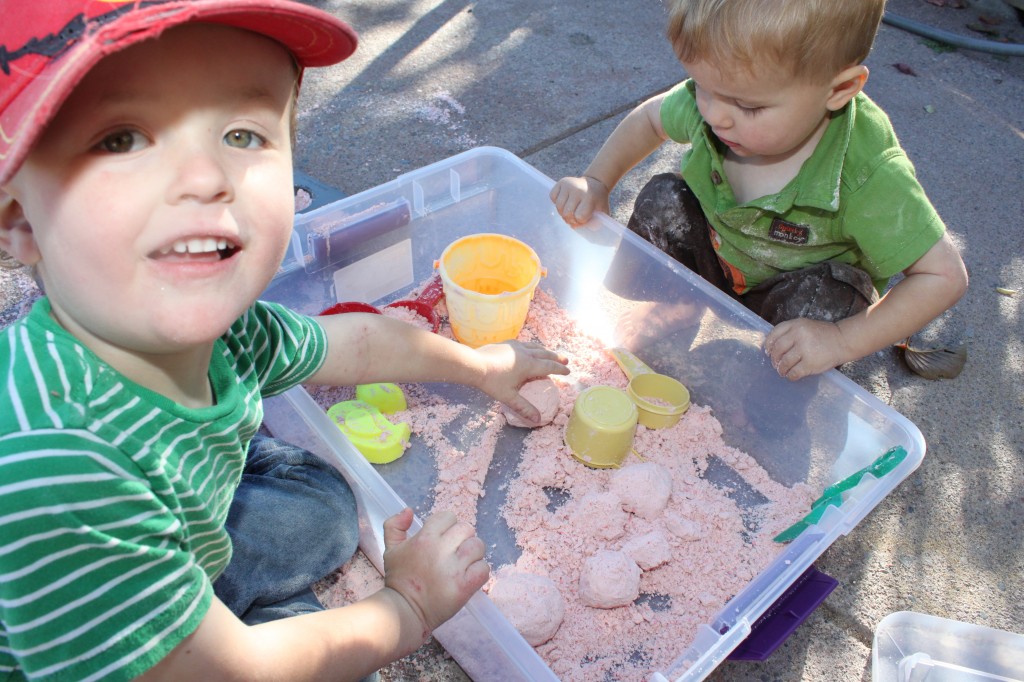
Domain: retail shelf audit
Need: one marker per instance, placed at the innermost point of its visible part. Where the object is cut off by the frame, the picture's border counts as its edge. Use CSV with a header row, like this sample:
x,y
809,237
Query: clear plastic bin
x,y
377,245
916,647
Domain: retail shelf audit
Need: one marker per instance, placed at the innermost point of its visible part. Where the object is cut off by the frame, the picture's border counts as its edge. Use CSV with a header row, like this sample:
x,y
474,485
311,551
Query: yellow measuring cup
x,y
660,399
601,427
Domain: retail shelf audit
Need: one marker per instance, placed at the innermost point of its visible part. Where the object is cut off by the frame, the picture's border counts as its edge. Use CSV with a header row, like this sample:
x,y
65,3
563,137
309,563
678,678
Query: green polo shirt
x,y
856,200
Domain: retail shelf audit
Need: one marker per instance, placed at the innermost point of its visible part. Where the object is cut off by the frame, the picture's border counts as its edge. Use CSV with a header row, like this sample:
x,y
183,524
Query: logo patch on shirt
x,y
790,233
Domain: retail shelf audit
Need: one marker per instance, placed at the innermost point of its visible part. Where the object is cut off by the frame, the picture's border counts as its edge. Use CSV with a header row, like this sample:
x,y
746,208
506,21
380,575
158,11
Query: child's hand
x,y
436,570
576,199
509,365
799,348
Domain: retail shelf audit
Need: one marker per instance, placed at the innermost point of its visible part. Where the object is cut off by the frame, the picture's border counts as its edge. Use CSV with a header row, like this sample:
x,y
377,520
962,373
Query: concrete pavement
x,y
548,81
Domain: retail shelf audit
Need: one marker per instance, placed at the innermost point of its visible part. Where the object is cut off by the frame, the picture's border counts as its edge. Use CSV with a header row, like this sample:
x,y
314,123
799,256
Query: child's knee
x,y
319,502
828,291
664,199
667,214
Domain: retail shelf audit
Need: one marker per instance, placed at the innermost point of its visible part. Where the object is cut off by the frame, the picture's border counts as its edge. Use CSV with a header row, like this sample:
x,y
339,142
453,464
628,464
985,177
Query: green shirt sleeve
x,y
886,213
679,114
283,347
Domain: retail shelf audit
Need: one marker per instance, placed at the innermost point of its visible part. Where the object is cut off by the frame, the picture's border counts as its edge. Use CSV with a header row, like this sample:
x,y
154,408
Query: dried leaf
x,y
935,363
905,68
990,20
1006,292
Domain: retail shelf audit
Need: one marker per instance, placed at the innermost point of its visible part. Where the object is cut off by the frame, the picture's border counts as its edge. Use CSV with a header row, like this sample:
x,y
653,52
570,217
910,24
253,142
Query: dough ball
x,y
543,394
532,603
643,488
609,580
684,529
650,550
600,516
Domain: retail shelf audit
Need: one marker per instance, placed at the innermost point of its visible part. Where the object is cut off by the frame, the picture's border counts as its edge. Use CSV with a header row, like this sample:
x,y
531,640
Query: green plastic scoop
x,y
833,495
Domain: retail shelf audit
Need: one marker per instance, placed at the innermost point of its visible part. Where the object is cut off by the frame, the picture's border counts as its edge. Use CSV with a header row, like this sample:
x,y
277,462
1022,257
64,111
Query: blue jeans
x,y
293,520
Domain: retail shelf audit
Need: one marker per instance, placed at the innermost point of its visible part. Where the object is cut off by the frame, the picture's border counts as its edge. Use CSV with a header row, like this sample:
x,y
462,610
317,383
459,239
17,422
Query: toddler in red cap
x,y
146,529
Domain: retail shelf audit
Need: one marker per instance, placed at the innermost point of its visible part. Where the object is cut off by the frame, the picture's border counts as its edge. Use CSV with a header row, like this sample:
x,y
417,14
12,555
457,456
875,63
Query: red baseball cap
x,y
47,46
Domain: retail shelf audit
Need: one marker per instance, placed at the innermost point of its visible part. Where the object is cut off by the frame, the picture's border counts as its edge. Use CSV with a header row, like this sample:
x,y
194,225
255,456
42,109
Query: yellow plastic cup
x,y
601,427
661,399
488,281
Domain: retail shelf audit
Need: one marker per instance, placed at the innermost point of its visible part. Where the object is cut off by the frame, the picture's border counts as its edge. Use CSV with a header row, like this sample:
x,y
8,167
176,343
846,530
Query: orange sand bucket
x,y
488,280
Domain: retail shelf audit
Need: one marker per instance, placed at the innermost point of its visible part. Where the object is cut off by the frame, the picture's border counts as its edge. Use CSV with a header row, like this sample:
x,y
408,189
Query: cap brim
x,y
313,36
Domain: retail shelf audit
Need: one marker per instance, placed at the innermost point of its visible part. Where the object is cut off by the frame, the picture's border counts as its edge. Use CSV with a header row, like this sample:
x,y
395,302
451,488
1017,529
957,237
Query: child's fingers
x,y
470,554
568,198
458,536
550,361
570,210
397,527
786,364
524,408
561,193
778,345
799,348
558,192
439,523
471,549
477,574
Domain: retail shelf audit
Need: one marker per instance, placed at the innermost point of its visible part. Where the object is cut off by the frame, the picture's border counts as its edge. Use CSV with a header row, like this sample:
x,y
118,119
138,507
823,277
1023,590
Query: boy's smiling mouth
x,y
198,248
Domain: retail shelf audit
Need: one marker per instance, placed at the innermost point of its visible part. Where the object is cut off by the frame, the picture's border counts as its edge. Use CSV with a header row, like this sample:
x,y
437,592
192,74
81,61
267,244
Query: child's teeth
x,y
196,245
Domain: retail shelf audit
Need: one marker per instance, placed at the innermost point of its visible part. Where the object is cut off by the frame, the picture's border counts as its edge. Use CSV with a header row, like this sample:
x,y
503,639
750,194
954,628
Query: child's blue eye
x,y
244,139
121,142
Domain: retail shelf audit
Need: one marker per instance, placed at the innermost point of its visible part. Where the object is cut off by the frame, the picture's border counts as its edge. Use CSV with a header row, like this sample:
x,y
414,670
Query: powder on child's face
x,y
695,546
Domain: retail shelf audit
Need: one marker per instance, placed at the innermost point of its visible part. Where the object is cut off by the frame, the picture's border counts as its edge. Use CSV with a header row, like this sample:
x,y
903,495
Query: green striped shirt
x,y
113,498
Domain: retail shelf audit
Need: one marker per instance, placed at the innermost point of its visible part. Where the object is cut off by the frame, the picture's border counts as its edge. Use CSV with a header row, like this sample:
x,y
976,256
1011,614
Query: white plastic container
x,y
375,246
916,647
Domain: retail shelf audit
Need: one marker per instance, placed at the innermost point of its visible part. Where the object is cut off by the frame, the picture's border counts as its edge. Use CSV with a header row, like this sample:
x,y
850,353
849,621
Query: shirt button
x,y
716,178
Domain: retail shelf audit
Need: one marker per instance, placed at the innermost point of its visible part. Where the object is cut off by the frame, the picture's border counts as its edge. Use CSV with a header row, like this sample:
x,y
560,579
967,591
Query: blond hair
x,y
814,39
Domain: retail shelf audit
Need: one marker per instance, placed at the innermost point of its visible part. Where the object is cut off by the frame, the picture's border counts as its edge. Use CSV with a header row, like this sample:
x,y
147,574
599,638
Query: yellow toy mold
x,y
369,431
388,398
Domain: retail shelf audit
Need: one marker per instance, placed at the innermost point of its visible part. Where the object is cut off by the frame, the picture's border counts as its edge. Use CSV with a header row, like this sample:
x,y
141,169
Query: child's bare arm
x,y
936,281
367,348
633,140
428,578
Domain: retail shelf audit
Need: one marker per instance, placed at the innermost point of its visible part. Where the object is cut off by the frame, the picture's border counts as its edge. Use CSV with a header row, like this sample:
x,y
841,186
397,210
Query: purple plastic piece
x,y
785,615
